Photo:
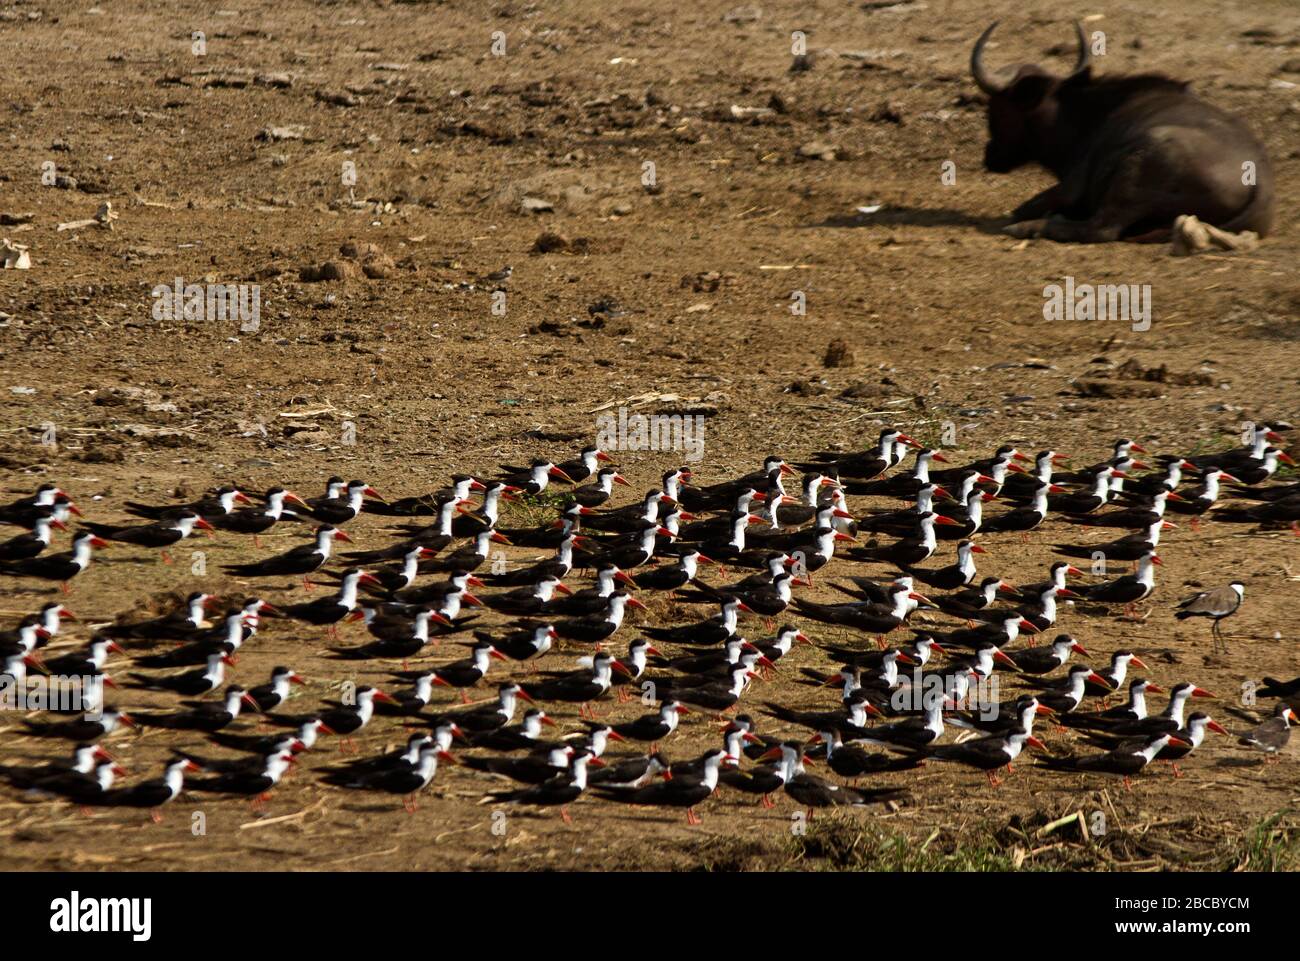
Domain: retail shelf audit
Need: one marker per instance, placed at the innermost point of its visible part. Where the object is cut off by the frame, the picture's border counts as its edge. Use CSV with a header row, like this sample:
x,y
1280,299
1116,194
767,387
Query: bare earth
x,y
941,313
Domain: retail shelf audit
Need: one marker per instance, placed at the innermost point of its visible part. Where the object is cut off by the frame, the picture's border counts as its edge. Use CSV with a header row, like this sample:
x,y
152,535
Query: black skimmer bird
x,y
558,566
390,580
629,519
89,727
256,782
597,492
1044,660
261,518
592,600
908,551
468,557
1274,734
1065,696
911,732
527,601
1216,604
1127,548
653,727
270,696
526,735
88,660
902,521
83,789
864,465
769,600
176,624
527,641
560,790
988,753
402,758
25,638
153,793
158,534
188,683
1022,520
1192,735
582,686
1288,691
1134,518
63,566
489,717
328,611
543,764
1198,501
219,503
852,761
1129,589
682,791
201,716
631,772
30,544
435,537
462,485
713,630
535,478
225,639
83,761
301,561
1116,674
346,719
868,616
972,601
850,720
1169,720
1134,709
813,792
468,523
956,575
343,506
595,628
20,511
1002,632
904,485
1126,761
256,747
585,465
720,695
1258,470
467,672
1076,503
408,781
967,516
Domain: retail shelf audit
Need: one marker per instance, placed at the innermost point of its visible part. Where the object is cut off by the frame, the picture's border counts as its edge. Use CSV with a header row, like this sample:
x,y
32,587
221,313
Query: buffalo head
x,y
1023,110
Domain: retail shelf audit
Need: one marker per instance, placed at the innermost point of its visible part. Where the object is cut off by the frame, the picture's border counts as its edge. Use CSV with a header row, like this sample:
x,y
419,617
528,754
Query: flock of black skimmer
x,y
441,604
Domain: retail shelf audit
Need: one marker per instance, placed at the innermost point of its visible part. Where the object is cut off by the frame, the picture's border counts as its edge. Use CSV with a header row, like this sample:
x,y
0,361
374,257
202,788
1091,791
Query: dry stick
x,y
365,854
250,825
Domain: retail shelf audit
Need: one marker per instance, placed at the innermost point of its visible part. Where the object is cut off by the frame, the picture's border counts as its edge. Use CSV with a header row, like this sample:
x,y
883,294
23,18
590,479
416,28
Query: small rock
x,y
819,150
549,242
837,354
536,205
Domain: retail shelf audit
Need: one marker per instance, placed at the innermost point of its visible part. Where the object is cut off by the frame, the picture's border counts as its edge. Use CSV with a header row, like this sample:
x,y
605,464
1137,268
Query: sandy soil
x,y
683,288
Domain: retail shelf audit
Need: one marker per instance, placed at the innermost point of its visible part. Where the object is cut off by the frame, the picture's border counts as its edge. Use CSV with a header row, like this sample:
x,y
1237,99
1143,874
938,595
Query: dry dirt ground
x,y
683,288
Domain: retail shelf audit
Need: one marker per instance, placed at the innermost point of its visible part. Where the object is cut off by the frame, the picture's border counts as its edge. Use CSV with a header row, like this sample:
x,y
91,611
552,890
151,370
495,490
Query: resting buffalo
x,y
1131,153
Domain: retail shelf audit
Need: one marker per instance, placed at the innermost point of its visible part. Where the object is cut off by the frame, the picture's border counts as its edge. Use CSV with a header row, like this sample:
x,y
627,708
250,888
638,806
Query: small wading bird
x,y
1216,604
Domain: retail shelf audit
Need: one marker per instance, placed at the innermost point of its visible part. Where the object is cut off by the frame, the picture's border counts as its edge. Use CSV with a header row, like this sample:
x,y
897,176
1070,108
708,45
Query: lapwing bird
x,y
1215,604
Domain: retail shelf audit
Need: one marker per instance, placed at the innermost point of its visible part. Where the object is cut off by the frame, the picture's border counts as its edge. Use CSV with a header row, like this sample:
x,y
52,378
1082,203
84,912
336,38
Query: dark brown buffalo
x,y
1131,153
